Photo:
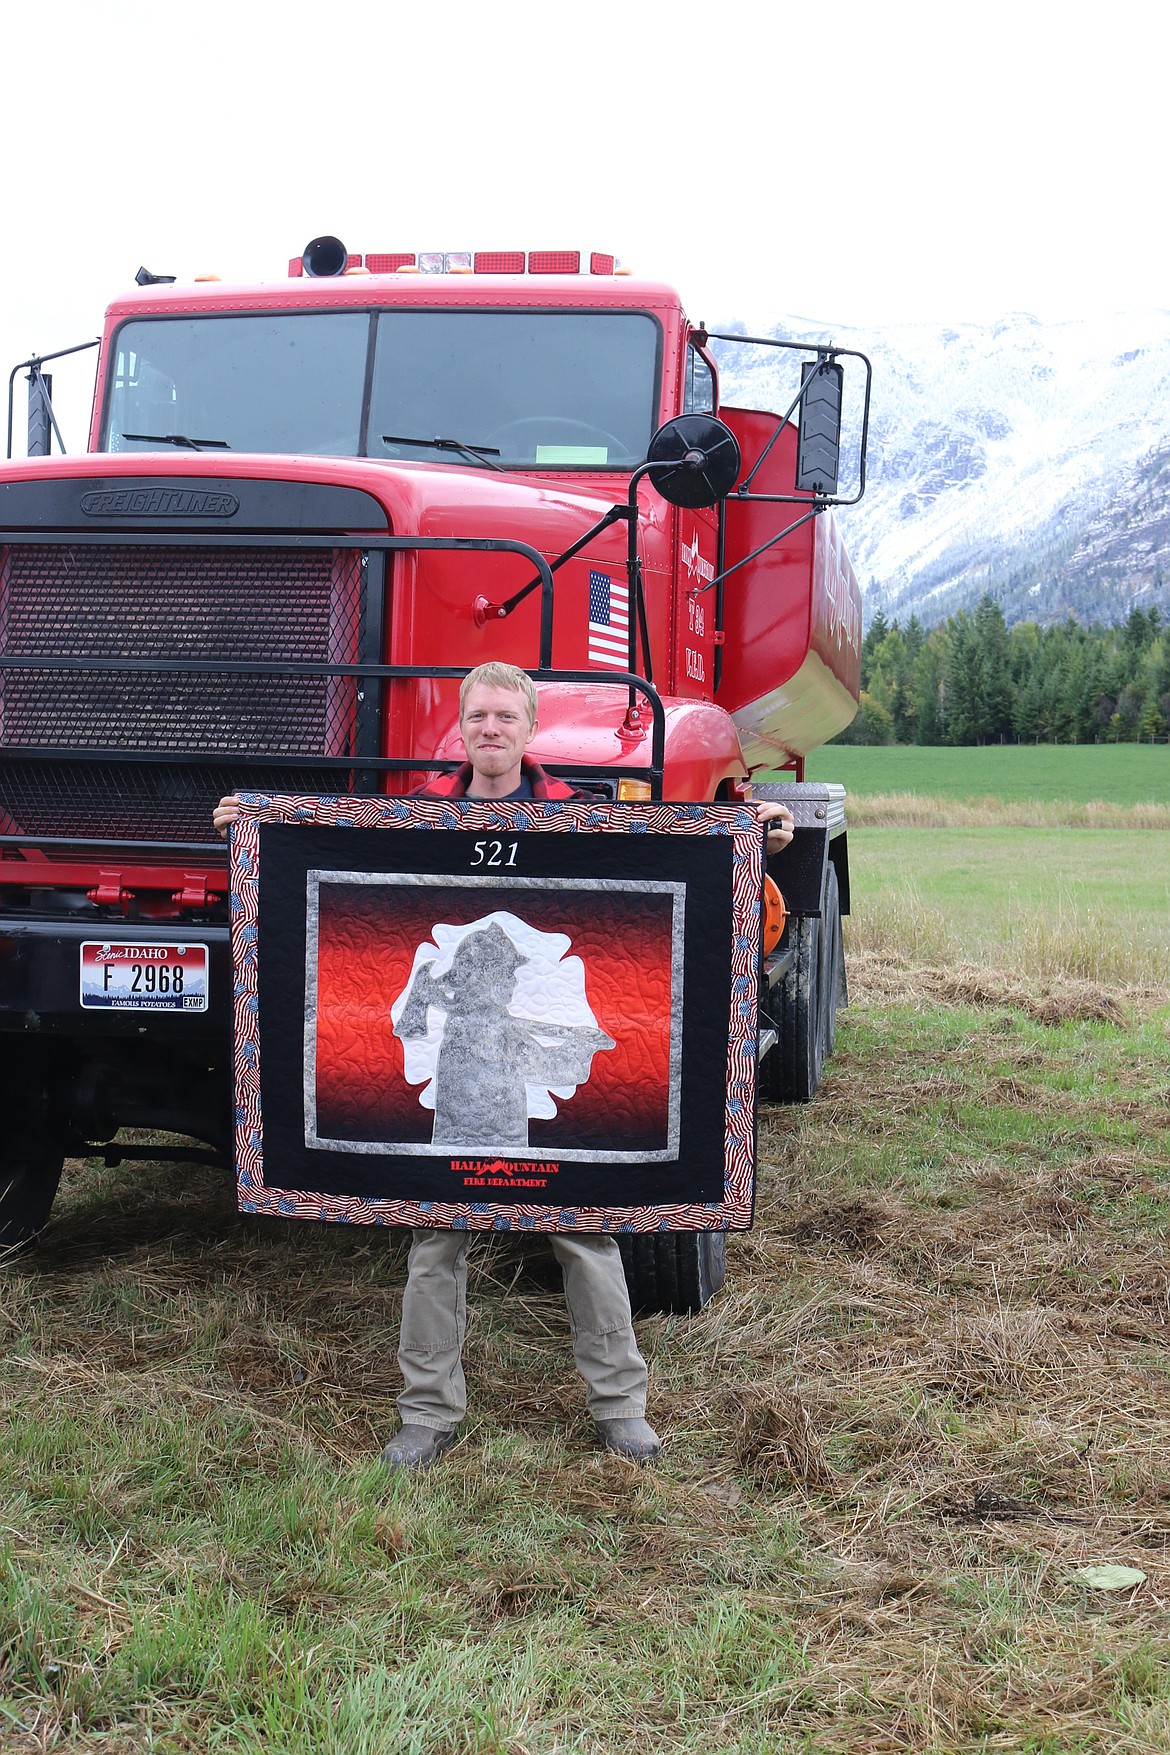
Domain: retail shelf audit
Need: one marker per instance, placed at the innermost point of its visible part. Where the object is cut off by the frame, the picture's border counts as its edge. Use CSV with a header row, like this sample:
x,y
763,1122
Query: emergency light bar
x,y
451,262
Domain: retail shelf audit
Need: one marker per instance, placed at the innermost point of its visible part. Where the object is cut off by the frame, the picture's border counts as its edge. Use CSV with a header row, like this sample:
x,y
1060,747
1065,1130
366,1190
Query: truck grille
x,y
203,607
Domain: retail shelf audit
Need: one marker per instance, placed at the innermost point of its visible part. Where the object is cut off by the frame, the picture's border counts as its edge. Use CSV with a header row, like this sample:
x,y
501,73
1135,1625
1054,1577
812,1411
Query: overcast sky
x,y
855,165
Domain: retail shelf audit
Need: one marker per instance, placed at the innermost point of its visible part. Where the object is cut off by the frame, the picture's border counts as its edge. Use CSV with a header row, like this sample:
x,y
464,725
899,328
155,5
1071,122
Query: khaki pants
x,y
434,1322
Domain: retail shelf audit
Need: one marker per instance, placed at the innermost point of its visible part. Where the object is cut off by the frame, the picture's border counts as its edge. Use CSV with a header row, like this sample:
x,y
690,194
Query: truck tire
x,y
804,1005
32,1143
673,1273
835,989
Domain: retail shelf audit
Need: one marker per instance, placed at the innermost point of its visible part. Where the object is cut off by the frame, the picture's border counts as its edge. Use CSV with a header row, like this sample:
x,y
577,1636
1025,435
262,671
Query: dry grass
x,y
911,810
876,977
1023,945
934,1388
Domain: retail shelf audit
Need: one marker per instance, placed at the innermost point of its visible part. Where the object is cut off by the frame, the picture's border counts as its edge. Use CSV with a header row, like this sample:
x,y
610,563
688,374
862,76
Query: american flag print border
x,y
257,1194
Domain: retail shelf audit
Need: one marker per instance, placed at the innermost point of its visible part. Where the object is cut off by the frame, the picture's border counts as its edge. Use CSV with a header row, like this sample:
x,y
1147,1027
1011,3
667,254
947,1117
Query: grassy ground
x,y
1119,773
934,1389
1034,901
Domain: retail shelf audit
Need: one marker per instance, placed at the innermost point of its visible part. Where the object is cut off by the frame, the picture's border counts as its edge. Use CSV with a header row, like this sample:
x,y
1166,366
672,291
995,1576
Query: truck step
x,y
777,965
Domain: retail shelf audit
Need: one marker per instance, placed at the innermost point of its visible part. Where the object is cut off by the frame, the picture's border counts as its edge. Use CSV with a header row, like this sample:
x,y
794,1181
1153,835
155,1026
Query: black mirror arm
x,y
745,485
828,351
637,595
34,365
485,610
824,351
689,446
814,512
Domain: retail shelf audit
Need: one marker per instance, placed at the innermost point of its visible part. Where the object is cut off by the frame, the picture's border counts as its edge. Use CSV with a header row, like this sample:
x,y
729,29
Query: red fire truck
x,y
306,509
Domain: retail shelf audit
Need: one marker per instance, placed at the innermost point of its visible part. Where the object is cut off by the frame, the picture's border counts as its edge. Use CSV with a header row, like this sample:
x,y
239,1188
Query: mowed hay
x,y
909,810
877,976
933,1389
779,1442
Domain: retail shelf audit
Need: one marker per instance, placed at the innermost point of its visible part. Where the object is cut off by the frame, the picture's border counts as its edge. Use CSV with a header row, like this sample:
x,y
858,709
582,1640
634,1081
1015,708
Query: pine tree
x,y
888,679
1138,634
928,687
966,694
973,680
876,632
991,637
871,724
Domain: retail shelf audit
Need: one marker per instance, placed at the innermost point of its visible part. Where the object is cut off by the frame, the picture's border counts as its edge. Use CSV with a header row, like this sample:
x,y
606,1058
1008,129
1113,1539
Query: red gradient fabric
x,y
367,938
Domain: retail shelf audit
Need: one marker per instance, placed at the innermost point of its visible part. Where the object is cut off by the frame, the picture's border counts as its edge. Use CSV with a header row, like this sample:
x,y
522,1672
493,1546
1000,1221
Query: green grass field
x,y
934,1390
1033,901
1120,773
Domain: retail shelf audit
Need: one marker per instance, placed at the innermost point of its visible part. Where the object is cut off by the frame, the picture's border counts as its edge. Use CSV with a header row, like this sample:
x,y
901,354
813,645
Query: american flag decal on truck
x,y
609,621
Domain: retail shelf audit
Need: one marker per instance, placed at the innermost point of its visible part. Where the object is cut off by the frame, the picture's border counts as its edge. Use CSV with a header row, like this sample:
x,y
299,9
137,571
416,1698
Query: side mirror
x,y
818,450
693,460
40,413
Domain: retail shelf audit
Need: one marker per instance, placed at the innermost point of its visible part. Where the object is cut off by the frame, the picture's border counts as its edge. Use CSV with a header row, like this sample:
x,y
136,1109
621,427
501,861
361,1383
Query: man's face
x,y
496,729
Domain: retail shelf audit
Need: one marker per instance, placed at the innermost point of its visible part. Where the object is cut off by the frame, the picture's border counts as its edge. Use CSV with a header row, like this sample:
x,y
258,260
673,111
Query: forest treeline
x,y
974,680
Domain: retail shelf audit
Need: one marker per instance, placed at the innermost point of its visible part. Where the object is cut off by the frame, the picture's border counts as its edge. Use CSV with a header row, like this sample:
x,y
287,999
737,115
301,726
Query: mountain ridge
x,y
1022,459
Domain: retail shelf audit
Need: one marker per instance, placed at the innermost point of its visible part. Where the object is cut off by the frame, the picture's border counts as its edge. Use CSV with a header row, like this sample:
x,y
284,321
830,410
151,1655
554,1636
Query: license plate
x,y
144,978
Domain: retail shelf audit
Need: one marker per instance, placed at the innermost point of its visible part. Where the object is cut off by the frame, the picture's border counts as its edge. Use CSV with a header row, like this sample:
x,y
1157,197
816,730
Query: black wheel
x,y
32,1142
804,1005
673,1272
836,992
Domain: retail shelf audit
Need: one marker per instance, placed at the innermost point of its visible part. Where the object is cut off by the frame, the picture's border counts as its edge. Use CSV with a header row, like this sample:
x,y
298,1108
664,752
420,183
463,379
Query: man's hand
x,y
226,812
777,818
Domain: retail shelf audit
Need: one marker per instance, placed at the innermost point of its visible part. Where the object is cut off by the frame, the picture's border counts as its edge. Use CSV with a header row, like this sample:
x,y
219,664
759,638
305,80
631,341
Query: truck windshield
x,y
532,389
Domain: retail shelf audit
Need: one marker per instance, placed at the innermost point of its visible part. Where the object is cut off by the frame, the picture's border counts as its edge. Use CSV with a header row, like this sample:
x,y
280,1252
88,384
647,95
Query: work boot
x,y
417,1447
635,1439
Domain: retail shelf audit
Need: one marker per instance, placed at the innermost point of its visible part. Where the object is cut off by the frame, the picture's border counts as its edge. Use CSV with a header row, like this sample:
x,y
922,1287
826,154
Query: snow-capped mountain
x,y
1028,459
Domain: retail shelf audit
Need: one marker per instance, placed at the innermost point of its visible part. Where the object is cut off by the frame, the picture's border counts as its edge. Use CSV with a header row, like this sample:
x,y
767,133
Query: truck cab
x,y
307,508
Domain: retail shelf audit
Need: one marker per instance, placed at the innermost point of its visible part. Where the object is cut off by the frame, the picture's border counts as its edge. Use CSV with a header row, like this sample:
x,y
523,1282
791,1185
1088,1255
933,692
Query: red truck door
x,y
693,657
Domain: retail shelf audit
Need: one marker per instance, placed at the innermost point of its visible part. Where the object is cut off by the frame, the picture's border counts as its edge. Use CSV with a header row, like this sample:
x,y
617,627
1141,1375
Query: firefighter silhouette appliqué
x,y
495,1024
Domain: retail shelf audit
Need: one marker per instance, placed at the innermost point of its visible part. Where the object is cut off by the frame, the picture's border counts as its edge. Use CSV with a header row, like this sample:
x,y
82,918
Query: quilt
x,y
520,1015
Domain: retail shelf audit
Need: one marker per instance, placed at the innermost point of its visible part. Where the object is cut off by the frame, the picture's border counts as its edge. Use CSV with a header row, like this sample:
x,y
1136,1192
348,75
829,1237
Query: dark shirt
x,y
534,783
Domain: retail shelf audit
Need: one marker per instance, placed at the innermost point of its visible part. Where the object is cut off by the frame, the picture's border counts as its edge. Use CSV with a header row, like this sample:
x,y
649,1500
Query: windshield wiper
x,y
181,440
477,453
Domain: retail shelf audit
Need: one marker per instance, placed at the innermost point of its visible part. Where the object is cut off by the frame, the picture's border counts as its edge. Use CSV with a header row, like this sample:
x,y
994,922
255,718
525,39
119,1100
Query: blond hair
x,y
497,675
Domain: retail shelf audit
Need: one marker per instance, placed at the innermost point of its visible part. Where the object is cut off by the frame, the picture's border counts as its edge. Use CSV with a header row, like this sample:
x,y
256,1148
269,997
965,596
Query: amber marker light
x,y
633,791
775,915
